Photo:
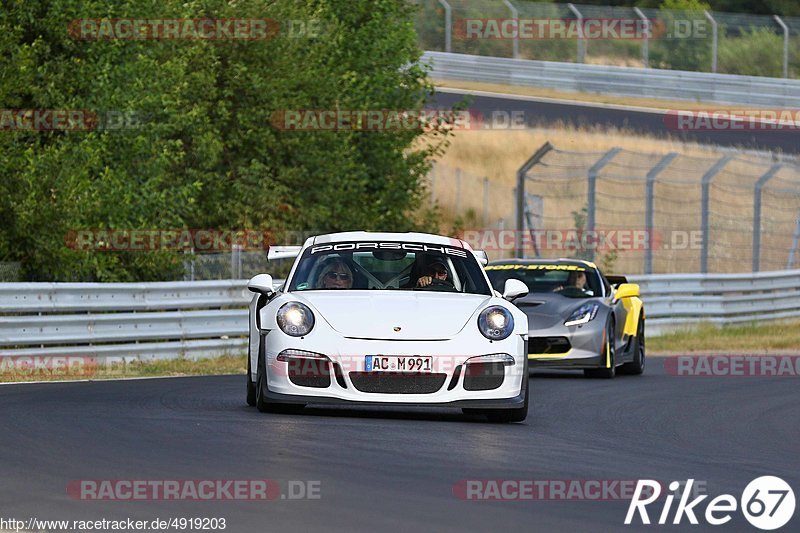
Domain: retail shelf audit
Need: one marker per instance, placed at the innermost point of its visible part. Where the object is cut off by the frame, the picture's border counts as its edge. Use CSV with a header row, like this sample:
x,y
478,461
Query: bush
x,y
691,53
758,52
204,154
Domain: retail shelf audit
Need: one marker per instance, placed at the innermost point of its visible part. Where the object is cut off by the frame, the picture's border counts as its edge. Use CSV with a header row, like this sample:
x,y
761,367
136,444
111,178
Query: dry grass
x,y
498,154
227,364
750,338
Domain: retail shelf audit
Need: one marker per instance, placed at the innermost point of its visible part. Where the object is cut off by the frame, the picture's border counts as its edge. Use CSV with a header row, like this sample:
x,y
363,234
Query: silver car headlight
x,y
582,315
496,323
295,319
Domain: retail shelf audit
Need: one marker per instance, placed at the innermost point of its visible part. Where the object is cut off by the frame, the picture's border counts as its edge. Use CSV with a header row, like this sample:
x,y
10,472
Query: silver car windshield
x,y
571,281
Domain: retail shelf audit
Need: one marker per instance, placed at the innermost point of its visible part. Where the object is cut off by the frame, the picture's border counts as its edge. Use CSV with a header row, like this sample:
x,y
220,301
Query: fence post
x,y
795,239
519,192
458,191
714,40
236,261
704,229
785,45
581,37
757,214
188,265
485,202
448,26
433,185
591,186
515,16
646,40
648,224
534,216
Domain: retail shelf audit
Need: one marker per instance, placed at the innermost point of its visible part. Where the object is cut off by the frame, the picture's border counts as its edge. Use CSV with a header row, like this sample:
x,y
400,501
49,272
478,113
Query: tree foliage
x,y
198,150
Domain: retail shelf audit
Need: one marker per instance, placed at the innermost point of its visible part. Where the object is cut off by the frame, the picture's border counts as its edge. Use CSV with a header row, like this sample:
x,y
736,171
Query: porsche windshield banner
x,y
405,246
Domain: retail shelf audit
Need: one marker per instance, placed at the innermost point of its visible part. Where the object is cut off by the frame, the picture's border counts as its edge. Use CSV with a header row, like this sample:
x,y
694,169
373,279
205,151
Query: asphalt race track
x,y
546,112
395,470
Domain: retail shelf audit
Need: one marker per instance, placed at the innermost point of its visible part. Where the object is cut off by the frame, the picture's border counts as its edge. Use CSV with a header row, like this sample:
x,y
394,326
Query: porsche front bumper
x,y
343,378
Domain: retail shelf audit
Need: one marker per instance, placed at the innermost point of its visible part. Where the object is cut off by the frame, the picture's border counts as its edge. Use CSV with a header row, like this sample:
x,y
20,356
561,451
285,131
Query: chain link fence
x,y
236,264
10,271
636,212
470,200
632,212
701,41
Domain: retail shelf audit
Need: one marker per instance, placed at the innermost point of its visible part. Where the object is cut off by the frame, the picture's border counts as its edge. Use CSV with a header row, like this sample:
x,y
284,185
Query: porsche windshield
x,y
572,281
388,265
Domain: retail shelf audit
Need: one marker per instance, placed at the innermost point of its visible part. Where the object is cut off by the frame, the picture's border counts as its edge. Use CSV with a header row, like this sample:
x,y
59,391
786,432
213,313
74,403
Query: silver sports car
x,y
577,317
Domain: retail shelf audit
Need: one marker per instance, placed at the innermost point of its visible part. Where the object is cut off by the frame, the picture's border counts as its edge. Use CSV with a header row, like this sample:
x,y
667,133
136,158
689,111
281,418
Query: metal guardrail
x,y
207,318
159,320
619,81
676,301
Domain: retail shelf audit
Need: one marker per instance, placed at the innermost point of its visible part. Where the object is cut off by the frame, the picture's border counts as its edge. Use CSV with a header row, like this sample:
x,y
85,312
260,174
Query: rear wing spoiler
x,y
283,252
616,280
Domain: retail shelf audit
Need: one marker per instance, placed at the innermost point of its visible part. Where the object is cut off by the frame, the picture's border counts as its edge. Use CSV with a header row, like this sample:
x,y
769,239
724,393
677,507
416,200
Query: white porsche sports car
x,y
388,319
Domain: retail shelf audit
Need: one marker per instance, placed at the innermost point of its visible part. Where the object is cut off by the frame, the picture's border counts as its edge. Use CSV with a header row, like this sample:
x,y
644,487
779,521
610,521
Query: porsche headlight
x,y
295,319
582,315
496,323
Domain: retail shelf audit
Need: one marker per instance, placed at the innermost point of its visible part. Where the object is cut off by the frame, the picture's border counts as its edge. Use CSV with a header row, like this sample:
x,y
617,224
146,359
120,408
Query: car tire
x,y
251,387
505,416
606,373
636,367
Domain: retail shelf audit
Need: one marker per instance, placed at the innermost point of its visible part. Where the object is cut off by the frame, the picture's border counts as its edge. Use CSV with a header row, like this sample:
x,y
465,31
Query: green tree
x,y
203,153
686,40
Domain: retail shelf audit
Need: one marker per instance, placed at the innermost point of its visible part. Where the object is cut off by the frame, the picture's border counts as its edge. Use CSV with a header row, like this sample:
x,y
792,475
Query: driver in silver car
x,y
575,281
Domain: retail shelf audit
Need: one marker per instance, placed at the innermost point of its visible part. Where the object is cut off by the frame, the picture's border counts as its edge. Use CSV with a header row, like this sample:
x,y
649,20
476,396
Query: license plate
x,y
399,363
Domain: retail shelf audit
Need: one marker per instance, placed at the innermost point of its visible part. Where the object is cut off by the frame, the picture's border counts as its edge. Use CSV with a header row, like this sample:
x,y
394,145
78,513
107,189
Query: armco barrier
x,y
675,301
620,81
206,318
129,320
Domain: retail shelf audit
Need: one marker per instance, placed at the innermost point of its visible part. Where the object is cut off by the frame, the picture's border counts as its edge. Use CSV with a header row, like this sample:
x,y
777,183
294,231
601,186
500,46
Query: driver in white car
x,y
435,270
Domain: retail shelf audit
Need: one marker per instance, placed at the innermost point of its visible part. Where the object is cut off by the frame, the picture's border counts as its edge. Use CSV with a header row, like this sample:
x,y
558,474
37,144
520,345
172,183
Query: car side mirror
x,y
261,284
626,290
514,288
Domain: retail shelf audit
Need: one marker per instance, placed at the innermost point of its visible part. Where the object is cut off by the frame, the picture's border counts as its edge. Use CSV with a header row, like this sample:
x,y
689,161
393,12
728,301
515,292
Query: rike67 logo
x,y
767,502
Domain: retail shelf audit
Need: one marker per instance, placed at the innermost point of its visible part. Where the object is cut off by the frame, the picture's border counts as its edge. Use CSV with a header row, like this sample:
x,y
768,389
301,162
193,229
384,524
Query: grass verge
x,y
763,338
60,369
750,338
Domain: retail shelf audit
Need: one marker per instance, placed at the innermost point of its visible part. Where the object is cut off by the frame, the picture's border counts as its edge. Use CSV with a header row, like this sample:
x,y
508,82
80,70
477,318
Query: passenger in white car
x,y
335,275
